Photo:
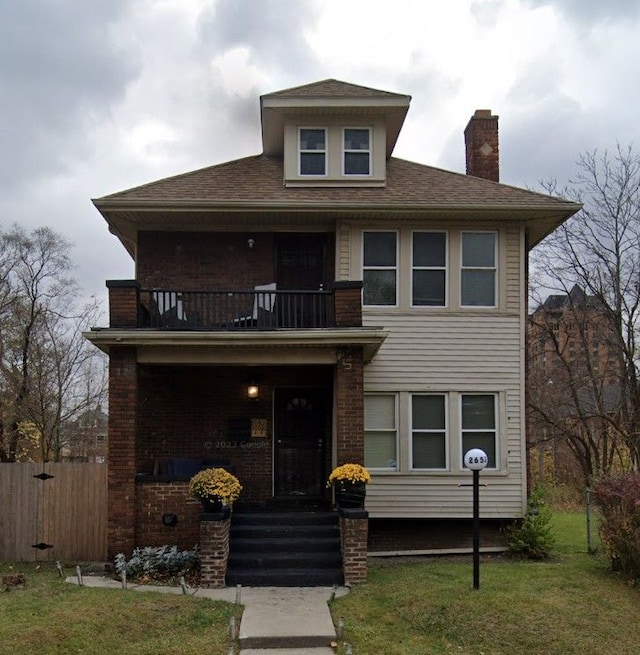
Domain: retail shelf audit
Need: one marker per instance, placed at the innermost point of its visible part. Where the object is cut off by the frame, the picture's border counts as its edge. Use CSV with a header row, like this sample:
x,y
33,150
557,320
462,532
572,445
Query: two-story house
x,y
322,303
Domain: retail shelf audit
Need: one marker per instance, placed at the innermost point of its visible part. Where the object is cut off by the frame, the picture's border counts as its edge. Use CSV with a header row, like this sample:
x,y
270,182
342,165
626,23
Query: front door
x,y
300,433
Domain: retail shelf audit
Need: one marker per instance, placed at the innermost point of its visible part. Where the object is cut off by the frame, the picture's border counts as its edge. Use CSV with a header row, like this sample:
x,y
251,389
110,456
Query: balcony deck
x,y
260,309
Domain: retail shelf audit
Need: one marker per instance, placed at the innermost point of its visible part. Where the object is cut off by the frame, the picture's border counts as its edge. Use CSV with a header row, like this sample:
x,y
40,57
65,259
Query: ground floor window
x,y
417,431
380,431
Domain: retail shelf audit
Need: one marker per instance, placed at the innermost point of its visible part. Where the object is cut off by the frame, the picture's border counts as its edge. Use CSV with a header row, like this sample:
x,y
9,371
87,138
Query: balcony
x,y
262,308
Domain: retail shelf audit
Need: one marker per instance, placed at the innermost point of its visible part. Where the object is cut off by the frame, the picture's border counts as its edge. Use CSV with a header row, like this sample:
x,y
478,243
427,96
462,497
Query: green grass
x,y
51,617
570,605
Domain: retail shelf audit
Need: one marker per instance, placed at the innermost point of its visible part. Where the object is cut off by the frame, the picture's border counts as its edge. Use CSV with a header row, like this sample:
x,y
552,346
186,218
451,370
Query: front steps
x,y
284,549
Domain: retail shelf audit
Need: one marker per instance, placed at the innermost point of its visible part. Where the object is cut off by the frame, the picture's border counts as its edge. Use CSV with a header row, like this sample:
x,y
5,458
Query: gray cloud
x,y
60,69
272,30
590,11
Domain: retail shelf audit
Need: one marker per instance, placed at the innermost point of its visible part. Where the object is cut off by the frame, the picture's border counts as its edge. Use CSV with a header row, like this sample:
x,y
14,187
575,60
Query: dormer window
x,y
313,151
356,151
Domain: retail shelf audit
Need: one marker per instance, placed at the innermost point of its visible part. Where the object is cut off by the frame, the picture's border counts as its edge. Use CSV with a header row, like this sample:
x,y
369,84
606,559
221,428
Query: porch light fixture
x,y
253,391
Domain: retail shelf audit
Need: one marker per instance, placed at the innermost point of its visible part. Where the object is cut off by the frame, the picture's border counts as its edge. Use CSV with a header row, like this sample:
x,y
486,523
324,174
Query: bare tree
x,y
43,358
591,403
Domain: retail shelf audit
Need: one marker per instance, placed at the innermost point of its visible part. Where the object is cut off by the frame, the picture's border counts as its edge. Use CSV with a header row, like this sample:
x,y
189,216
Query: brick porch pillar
x,y
123,408
354,532
214,548
349,389
124,302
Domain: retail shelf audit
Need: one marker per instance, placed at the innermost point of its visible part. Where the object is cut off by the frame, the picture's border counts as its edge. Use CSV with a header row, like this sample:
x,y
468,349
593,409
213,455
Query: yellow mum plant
x,y
349,473
215,483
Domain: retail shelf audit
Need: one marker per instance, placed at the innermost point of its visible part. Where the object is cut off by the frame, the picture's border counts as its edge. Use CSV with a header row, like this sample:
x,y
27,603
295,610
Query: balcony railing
x,y
261,309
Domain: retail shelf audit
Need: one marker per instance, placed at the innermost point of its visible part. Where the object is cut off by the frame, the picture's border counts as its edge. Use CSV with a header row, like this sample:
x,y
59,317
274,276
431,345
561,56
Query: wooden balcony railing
x,y
263,308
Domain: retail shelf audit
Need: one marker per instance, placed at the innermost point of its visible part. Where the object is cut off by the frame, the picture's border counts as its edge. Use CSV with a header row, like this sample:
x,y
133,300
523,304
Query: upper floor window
x,y
429,273
380,263
428,432
356,151
380,431
478,270
313,151
479,429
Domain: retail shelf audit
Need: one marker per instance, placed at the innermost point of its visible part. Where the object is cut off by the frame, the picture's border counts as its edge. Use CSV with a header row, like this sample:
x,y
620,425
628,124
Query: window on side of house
x,y
478,275
429,273
356,158
313,151
428,432
379,274
479,425
380,432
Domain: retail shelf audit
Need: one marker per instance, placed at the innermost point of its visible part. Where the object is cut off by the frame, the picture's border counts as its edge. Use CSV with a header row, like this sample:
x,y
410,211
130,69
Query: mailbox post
x,y
476,459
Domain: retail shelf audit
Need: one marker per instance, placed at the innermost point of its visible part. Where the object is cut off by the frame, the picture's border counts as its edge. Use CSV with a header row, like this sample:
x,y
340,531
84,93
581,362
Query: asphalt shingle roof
x,y
260,178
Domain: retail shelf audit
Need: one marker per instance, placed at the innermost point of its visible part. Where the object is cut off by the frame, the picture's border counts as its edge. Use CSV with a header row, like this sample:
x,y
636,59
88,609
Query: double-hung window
x,y
428,431
380,431
429,274
478,271
479,426
356,151
379,268
313,151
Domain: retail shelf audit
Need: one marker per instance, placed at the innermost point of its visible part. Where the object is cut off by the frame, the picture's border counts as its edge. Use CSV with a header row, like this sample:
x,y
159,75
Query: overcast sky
x,y
97,96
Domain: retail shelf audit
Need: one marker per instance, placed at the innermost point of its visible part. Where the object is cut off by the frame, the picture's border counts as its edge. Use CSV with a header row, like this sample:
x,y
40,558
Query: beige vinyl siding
x,y
343,259
453,350
444,351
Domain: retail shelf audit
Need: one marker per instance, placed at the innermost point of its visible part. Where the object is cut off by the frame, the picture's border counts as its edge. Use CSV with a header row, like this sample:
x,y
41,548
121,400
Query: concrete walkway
x,y
275,620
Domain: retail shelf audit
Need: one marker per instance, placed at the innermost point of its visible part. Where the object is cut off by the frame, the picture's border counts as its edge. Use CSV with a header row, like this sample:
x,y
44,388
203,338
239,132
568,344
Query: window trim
x,y
444,268
446,436
496,426
396,416
493,268
345,150
395,268
302,151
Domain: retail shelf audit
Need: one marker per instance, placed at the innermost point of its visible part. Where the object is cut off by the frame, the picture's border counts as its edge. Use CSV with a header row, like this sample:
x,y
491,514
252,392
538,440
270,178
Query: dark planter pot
x,y
350,495
210,506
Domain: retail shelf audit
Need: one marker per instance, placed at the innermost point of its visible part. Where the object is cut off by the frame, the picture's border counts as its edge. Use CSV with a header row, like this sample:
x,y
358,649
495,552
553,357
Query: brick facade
x,y
354,526
124,299
348,304
123,405
155,499
349,389
214,549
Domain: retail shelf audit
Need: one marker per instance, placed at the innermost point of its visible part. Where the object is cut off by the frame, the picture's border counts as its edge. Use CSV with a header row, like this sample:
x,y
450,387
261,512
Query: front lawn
x,y
51,617
571,605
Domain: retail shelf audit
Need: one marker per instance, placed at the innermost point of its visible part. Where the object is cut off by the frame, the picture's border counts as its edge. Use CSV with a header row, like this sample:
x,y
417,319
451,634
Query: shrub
x,y
531,537
215,483
160,564
618,498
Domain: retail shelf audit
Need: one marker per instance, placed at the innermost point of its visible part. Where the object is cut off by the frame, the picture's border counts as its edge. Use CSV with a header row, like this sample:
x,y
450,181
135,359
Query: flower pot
x,y
350,495
210,506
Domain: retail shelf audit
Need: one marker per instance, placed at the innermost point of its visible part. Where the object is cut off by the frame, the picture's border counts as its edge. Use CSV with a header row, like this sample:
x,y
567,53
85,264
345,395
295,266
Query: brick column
x,y
123,407
354,532
214,548
124,300
347,299
349,388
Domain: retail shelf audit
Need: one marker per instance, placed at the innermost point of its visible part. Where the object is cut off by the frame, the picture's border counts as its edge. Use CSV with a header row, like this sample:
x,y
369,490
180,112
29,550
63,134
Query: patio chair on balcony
x,y
170,308
263,306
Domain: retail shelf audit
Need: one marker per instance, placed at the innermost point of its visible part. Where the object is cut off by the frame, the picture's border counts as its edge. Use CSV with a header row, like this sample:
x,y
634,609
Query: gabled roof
x,y
324,98
333,88
254,184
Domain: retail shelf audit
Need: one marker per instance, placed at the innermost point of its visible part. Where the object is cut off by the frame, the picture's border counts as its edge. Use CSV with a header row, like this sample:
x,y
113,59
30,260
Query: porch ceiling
x,y
309,346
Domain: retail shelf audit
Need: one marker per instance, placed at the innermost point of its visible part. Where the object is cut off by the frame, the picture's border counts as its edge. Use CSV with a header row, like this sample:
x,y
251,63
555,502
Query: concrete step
x,y
288,559
285,577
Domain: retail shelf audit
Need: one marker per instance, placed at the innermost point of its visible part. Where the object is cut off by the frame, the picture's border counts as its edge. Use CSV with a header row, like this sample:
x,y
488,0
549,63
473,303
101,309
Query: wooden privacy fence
x,y
67,511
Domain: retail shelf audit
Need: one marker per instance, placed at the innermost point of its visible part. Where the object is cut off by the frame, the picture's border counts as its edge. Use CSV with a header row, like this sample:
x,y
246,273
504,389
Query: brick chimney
x,y
481,144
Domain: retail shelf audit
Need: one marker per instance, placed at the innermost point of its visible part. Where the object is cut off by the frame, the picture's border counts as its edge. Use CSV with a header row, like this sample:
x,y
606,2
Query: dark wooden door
x,y
301,422
300,262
